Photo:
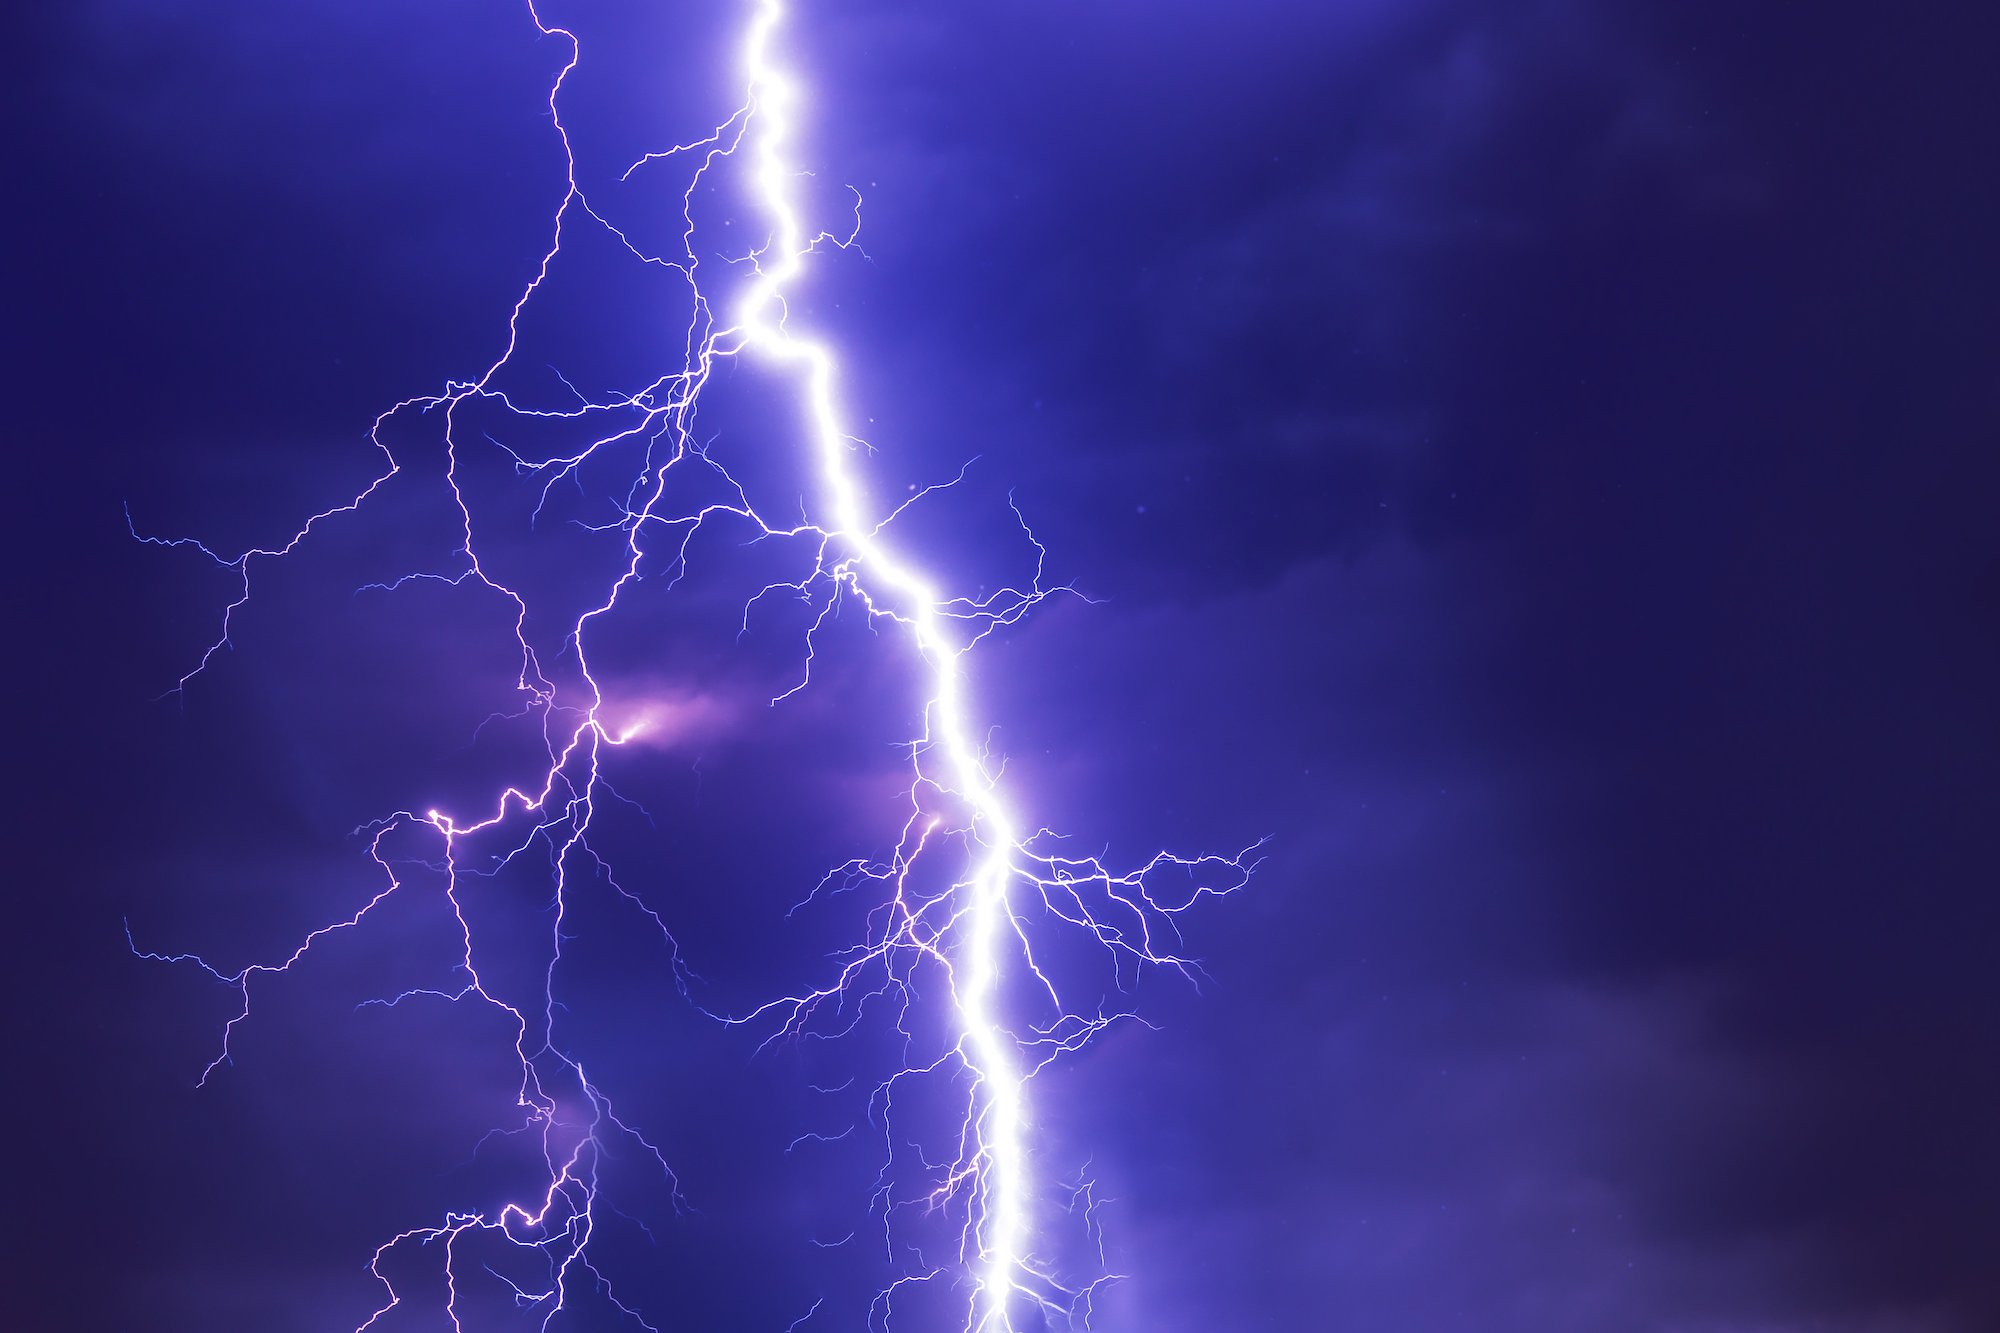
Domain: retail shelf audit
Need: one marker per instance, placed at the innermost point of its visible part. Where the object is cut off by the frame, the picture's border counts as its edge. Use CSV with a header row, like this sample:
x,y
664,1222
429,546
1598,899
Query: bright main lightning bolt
x,y
998,1223
971,940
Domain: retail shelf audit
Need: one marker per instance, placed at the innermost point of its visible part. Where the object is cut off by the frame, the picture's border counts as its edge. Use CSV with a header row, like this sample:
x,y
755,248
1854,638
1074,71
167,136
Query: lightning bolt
x,y
963,1208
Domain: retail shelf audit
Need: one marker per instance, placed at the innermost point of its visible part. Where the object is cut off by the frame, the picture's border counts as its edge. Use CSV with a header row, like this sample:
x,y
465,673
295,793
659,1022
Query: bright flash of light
x,y
969,937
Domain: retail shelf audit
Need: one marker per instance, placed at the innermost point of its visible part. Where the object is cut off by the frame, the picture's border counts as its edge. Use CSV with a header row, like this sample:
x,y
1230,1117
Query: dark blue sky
x,y
1533,460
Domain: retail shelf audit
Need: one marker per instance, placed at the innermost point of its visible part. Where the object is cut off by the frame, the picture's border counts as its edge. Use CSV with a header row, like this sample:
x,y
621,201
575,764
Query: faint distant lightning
x,y
973,935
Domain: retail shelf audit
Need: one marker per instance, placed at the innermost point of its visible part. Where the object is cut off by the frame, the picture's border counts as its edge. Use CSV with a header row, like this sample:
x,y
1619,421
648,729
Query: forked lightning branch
x,y
974,891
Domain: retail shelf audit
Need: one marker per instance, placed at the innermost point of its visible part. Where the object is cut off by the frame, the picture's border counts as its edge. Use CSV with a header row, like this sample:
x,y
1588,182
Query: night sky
x,y
1532,461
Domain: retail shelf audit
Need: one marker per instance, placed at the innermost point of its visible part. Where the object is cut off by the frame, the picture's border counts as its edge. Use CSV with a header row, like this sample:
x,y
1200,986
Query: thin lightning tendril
x,y
970,940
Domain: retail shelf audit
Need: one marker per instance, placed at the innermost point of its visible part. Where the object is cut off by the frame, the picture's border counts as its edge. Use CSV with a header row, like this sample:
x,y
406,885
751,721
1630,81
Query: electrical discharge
x,y
965,946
